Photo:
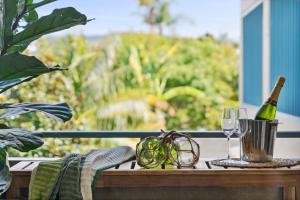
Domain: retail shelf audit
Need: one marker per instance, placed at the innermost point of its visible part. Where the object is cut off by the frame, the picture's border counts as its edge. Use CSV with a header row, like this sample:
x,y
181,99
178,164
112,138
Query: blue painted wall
x,y
285,52
252,57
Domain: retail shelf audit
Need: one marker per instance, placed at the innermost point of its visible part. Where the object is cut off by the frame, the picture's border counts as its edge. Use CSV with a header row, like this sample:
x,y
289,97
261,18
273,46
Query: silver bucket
x,y
258,142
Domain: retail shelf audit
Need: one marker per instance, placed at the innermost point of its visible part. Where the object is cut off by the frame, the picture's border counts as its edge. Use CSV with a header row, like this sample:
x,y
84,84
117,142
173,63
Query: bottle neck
x,y
276,91
271,101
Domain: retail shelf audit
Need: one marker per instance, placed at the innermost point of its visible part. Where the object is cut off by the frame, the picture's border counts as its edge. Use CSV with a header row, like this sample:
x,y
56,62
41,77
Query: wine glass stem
x,y
228,143
241,149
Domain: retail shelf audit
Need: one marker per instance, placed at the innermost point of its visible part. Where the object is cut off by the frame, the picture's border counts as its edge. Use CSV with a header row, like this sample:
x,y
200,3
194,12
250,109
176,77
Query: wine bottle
x,y
268,110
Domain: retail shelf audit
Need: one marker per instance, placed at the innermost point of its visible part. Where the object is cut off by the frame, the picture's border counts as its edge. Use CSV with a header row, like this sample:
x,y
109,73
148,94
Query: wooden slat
x,y
20,166
136,166
125,166
32,166
30,159
114,168
138,170
201,165
14,160
209,165
296,167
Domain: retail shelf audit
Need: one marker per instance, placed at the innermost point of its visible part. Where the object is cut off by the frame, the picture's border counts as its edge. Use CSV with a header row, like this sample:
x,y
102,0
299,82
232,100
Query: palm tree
x,y
158,14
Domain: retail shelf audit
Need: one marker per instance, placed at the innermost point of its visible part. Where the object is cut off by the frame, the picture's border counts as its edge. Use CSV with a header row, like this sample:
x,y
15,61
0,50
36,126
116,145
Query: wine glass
x,y
241,125
228,125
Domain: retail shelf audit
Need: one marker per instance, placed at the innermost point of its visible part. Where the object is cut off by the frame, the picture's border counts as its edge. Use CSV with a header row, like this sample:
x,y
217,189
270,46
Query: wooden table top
x,y
204,166
203,174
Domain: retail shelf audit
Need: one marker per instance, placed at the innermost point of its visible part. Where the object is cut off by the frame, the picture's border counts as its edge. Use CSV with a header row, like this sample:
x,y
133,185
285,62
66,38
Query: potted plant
x,y
19,26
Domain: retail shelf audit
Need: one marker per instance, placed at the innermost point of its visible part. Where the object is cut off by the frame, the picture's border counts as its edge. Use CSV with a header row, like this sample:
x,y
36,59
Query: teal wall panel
x,y
285,52
252,57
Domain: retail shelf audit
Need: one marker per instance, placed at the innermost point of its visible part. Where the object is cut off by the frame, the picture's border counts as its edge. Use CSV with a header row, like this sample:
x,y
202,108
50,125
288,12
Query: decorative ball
x,y
187,151
170,148
151,152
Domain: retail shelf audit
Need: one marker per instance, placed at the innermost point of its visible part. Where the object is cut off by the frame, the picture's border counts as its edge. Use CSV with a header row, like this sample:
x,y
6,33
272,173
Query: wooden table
x,y
204,175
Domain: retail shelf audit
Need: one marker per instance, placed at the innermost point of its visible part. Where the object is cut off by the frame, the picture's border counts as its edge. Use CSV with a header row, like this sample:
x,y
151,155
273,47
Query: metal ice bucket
x,y
258,142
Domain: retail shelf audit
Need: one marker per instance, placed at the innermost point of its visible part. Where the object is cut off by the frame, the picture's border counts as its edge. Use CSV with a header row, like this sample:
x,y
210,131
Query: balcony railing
x,y
143,134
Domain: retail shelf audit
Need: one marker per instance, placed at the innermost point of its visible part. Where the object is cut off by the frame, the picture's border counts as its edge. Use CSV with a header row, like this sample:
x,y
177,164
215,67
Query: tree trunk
x,y
160,29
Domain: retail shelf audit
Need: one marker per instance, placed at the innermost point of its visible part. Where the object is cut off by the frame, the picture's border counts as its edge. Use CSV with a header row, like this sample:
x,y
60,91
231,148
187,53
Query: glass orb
x,y
151,152
187,151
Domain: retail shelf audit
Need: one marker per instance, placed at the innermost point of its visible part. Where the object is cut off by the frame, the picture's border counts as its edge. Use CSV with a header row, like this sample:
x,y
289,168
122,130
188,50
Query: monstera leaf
x,y
17,68
5,177
59,111
59,19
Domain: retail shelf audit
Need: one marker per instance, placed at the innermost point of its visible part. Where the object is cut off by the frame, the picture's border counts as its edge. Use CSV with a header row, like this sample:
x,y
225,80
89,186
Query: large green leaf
x,y
182,91
16,68
31,6
19,139
59,19
8,12
5,177
58,111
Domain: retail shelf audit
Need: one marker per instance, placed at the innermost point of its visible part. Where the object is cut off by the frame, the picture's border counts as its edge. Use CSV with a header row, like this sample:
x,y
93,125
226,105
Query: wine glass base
x,y
236,161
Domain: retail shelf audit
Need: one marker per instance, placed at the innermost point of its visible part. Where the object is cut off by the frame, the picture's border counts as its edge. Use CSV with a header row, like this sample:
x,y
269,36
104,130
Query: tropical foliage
x,y
132,82
19,26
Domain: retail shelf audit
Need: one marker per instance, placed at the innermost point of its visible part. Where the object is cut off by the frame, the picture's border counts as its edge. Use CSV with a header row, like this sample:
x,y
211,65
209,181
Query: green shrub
x,y
134,82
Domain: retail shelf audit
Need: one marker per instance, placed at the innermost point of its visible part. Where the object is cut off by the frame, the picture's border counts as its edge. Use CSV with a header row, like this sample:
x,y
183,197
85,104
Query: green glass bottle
x,y
268,110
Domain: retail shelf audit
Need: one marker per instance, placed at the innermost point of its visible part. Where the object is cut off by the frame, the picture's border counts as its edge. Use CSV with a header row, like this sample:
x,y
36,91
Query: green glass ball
x,y
151,152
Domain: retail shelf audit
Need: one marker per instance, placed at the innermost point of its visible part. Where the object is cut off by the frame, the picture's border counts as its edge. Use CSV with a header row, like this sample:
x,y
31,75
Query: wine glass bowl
x,y
241,125
228,125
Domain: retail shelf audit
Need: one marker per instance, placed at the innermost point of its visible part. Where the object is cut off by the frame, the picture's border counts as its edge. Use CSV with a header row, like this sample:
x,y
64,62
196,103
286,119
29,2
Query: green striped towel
x,y
71,178
45,179
96,161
